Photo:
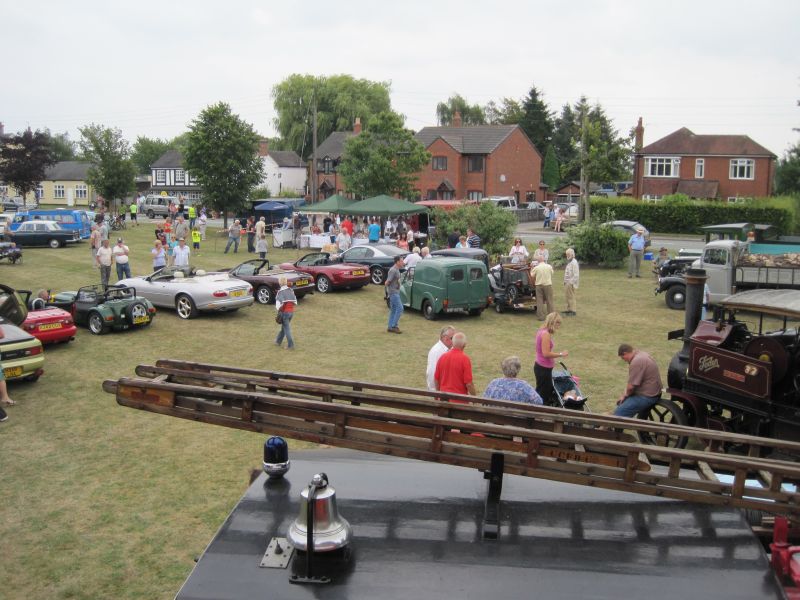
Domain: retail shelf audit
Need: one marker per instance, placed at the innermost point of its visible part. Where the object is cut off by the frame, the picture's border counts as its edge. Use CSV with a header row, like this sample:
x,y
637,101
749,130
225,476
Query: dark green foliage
x,y
471,114
494,225
146,151
24,158
593,243
63,147
566,128
508,113
112,172
676,215
259,193
537,120
550,173
787,173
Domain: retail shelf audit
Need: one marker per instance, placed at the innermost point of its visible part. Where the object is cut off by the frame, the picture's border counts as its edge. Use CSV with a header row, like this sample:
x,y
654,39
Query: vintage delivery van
x,y
446,285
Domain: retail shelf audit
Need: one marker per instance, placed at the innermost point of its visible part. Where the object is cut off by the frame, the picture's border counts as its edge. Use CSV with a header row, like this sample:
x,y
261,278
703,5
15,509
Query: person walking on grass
x,y
571,277
234,235
392,286
545,357
285,302
104,259
636,245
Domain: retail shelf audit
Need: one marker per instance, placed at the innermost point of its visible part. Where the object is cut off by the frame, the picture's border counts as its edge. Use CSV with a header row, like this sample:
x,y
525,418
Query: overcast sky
x,y
149,67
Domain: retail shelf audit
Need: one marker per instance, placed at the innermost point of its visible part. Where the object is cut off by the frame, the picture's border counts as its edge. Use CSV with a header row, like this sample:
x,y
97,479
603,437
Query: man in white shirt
x,y
120,253
104,258
181,254
412,259
439,348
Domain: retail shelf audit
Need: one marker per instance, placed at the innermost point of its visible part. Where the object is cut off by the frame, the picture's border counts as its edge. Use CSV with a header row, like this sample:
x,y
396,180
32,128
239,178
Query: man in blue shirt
x,y
374,232
636,245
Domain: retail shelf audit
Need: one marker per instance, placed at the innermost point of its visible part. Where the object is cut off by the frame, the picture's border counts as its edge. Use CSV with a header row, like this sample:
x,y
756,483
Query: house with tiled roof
x,y
727,167
283,170
329,155
64,184
476,161
169,175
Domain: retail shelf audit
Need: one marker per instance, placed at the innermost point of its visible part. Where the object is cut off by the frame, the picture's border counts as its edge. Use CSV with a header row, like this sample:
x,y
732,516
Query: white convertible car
x,y
191,290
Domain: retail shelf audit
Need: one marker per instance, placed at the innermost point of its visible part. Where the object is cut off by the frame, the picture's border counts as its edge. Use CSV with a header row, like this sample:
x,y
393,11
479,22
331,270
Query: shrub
x,y
259,193
593,243
493,224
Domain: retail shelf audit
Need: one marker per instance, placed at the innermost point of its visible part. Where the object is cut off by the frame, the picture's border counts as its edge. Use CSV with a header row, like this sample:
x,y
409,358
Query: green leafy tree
x,y
564,136
550,173
384,159
537,120
24,157
146,151
222,153
493,224
787,173
259,193
509,112
471,114
63,147
112,172
339,99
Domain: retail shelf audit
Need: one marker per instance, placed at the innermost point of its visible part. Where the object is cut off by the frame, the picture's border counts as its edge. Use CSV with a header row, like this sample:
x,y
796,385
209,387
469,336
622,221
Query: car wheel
x,y
512,292
323,284
427,310
54,243
150,214
378,275
676,297
96,324
185,307
475,312
264,295
136,311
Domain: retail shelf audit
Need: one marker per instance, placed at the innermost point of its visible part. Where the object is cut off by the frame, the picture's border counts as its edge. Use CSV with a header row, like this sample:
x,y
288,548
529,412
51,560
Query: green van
x,y
446,285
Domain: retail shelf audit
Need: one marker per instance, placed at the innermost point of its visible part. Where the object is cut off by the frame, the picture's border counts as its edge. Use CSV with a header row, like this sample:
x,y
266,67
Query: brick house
x,y
728,167
479,160
329,155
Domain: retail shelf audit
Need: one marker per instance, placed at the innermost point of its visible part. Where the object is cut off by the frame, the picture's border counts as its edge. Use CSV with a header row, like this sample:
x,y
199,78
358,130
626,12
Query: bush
x,y
259,193
494,225
593,244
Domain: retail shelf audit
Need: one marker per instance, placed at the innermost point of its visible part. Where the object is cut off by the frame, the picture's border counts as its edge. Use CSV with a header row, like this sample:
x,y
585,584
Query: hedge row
x,y
680,215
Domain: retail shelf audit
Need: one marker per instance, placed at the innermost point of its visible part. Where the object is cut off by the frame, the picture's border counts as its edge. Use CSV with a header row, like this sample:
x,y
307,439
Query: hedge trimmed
x,y
681,215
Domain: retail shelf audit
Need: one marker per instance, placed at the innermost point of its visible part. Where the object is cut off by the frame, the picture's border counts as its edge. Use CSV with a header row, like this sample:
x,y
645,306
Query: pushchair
x,y
567,392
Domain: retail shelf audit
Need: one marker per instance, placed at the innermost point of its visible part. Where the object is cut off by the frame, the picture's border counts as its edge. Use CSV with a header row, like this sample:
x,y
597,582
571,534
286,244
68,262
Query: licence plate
x,y
140,320
48,326
10,372
358,272
237,293
301,282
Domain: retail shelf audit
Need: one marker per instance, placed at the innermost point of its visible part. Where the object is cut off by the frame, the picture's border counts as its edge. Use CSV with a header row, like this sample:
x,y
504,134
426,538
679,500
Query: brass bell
x,y
331,531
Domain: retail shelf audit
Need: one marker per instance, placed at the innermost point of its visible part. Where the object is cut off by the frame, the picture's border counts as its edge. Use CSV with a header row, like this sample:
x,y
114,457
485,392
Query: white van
x,y
157,206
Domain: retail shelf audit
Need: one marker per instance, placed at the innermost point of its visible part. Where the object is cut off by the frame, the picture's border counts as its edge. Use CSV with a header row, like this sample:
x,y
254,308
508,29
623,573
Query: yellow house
x,y
64,185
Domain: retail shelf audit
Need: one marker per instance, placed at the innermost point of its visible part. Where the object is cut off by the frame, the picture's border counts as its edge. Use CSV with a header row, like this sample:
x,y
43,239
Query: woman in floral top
x,y
511,388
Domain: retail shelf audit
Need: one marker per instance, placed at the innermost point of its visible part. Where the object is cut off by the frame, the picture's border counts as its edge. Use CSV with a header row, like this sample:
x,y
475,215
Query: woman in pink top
x,y
543,367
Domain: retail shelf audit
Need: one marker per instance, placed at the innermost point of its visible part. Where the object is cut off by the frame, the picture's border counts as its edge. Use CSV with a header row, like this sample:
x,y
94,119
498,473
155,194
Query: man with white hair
x,y
444,344
571,276
454,369
412,258
234,235
636,245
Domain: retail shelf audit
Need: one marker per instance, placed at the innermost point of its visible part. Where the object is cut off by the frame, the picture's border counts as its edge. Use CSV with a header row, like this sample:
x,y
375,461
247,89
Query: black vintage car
x,y
43,233
378,257
512,287
472,253
671,281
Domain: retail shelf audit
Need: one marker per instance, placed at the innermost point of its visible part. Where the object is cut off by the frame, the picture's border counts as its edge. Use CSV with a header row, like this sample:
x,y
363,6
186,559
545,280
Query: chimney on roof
x,y
263,147
2,130
457,119
639,141
357,126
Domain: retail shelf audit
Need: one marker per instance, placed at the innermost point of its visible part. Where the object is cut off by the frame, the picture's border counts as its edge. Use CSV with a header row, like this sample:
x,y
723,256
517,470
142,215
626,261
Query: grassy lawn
x,y
98,501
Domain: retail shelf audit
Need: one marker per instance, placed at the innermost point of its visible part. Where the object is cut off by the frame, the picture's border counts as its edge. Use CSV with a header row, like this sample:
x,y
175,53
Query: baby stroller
x,y
568,394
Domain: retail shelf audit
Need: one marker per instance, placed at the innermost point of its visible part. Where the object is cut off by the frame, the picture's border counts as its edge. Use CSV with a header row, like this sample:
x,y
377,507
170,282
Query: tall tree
x,y
338,99
550,173
471,114
787,173
222,153
537,120
509,112
112,172
24,157
384,159
146,151
63,147
564,144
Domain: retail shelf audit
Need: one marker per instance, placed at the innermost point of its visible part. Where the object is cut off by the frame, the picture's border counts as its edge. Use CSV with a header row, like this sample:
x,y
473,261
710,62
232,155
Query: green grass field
x,y
99,501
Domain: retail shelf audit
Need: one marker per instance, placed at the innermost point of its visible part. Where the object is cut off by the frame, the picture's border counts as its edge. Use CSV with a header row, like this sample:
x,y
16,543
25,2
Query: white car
x,y
191,291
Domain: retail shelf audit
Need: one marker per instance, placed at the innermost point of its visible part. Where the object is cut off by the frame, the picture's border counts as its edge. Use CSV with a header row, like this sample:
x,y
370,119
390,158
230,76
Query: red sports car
x,y
329,274
46,323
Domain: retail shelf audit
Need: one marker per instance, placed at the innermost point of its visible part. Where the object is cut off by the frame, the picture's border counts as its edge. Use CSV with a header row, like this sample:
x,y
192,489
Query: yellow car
x,y
21,354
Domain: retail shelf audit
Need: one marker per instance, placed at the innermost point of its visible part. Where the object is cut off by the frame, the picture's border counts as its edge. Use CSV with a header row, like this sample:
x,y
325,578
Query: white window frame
x,y
180,176
58,191
699,168
669,166
161,176
742,168
736,199
81,191
474,195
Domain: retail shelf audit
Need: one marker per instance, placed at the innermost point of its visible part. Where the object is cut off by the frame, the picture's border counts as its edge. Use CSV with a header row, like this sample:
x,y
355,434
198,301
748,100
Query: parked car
x,y
512,287
446,285
101,309
21,354
378,257
191,291
329,272
47,324
42,233
10,251
265,280
68,218
471,253
629,227
158,206
15,204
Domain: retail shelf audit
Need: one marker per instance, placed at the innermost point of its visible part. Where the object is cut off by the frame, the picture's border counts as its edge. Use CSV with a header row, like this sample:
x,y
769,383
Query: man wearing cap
x,y
644,382
392,286
122,260
181,254
636,245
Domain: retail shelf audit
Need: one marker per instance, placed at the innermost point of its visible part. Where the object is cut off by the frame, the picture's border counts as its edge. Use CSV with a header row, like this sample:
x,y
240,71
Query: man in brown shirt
x,y
644,382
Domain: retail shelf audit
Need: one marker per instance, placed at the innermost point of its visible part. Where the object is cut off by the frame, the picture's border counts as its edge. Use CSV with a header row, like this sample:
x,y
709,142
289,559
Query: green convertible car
x,y
113,308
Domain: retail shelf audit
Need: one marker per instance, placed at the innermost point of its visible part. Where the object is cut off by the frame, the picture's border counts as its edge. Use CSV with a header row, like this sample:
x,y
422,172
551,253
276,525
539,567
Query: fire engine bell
x,y
331,531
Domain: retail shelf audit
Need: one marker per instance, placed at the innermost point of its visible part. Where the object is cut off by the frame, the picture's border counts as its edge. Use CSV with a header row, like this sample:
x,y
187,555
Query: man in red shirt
x,y
454,369
347,225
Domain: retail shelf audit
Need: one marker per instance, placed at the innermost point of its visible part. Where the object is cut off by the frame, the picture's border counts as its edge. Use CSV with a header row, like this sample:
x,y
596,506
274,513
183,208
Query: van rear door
x,y
457,287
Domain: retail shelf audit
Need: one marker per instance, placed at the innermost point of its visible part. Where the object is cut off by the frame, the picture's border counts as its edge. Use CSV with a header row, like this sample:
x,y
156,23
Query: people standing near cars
x,y
347,225
571,277
374,231
134,210
473,239
454,370
545,357
159,256
285,302
412,258
234,235
518,253
541,254
636,245
202,221
181,254
261,228
546,217
443,344
94,242
122,259
542,277
343,240
558,214
392,286
104,259
250,230
181,229
644,382
5,400
261,246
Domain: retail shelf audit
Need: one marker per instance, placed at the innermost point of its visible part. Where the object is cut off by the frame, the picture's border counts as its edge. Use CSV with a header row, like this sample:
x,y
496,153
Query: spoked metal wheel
x,y
664,412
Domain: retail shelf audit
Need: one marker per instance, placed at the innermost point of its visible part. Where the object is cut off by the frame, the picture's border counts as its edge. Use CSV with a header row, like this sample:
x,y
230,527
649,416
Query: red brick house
x,y
329,155
479,160
727,167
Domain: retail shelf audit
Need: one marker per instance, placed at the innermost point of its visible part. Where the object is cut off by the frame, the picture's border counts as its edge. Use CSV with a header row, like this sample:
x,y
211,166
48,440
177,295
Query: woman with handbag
x,y
285,302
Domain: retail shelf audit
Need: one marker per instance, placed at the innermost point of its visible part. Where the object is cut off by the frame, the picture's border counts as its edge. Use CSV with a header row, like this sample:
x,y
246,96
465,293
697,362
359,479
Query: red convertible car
x,y
266,280
46,323
329,274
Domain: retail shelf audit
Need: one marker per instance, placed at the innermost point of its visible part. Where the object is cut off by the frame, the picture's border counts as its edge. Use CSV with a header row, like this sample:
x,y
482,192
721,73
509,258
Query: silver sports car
x,y
191,290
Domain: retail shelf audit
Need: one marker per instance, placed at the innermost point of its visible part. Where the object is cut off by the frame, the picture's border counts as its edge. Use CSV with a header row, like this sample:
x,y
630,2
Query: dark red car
x,y
329,274
47,324
265,280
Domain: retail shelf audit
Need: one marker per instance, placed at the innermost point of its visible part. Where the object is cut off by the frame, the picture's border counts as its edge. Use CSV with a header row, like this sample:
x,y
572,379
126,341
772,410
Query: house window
x,y
661,166
475,163
439,163
431,194
81,191
40,191
447,195
58,191
736,199
161,176
742,168
699,168
474,194
327,166
180,176
651,198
